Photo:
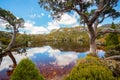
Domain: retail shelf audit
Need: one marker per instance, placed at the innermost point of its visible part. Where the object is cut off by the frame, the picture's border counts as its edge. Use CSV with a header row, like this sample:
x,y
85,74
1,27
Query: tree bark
x,y
92,37
92,45
10,45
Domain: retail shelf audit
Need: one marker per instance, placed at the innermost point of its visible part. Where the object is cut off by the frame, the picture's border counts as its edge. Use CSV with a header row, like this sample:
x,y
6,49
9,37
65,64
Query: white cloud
x,y
67,19
33,16
36,15
53,25
2,23
32,29
42,14
49,16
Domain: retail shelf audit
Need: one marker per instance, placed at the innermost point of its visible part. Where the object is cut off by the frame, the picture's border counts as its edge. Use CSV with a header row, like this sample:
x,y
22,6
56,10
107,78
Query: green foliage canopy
x,y
10,18
82,7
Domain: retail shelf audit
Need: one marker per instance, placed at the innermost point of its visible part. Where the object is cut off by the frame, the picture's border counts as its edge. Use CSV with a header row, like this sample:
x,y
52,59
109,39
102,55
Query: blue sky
x,y
37,20
27,9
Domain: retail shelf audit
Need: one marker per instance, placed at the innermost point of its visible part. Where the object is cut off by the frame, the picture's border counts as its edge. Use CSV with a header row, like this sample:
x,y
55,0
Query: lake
x,y
52,62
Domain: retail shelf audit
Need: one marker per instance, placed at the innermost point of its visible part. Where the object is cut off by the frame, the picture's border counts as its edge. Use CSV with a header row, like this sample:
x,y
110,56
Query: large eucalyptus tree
x,y
92,12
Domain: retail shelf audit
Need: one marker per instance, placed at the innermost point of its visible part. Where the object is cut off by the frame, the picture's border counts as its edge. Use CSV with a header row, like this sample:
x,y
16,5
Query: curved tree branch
x,y
116,57
103,17
108,31
10,45
98,11
85,17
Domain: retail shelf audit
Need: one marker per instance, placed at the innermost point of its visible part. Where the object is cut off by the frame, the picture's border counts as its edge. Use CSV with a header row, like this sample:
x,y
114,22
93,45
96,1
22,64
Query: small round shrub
x,y
90,68
26,70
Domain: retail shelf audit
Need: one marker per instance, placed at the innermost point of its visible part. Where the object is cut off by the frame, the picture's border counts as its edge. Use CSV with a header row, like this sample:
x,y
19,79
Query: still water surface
x,y
51,62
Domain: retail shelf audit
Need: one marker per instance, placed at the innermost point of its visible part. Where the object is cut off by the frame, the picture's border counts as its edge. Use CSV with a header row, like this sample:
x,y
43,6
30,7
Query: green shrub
x,y
112,38
113,50
90,68
26,70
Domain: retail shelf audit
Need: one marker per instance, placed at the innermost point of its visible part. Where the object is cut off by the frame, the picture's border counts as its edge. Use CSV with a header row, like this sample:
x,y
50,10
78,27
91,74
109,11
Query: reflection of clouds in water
x,y
6,61
63,58
101,53
59,58
82,54
53,52
37,50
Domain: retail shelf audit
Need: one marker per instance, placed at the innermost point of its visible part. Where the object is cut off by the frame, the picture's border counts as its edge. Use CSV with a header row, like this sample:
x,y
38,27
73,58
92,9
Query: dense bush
x,y
90,68
26,70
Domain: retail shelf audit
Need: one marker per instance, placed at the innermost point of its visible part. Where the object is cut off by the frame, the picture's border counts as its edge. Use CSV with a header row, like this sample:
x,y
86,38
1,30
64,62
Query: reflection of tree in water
x,y
67,45
70,46
9,53
11,67
0,60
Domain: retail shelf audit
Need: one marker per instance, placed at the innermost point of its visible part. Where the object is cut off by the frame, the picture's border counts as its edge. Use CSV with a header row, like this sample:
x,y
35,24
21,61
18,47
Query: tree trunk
x,y
92,45
10,45
92,38
8,49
